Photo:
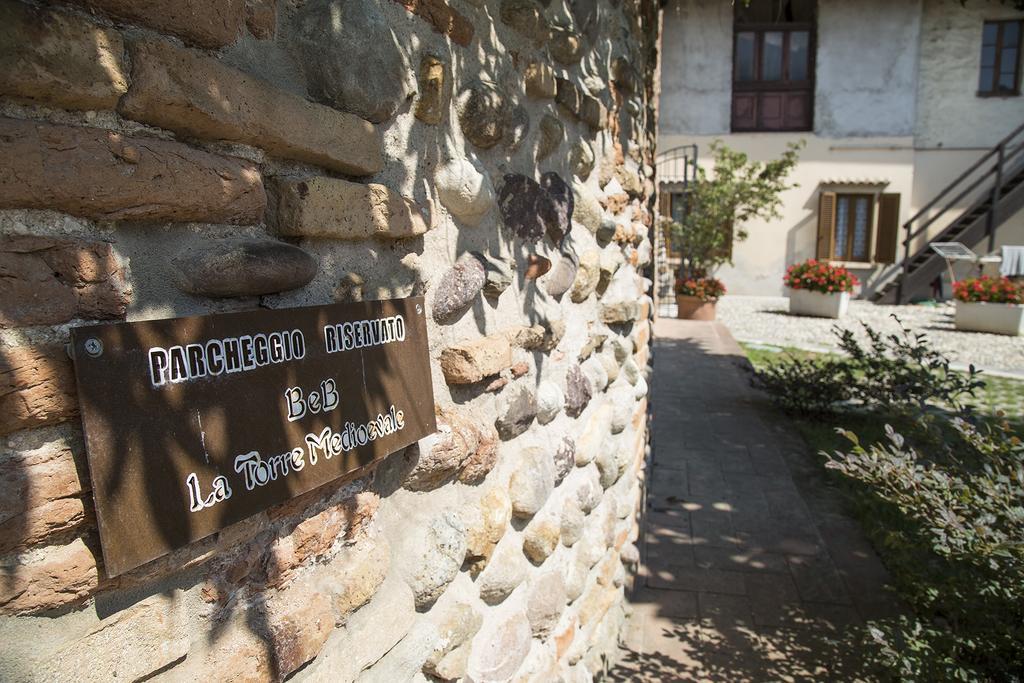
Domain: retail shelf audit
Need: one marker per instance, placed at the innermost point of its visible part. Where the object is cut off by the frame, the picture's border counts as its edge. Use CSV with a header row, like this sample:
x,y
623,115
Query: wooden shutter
x,y
887,241
826,222
664,202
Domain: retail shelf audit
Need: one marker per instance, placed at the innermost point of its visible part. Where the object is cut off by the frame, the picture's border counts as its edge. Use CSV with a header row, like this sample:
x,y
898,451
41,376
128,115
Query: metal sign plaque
x,y
192,424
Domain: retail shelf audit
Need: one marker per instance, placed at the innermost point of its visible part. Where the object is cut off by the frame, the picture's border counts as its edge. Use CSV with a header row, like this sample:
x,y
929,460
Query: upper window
x,y
773,66
1000,58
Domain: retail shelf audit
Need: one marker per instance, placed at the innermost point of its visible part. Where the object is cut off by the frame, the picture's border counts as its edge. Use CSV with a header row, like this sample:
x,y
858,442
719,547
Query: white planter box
x,y
806,302
979,316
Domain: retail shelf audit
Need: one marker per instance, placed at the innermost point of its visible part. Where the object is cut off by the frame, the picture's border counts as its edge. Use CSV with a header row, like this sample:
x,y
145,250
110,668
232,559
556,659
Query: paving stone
x,y
733,535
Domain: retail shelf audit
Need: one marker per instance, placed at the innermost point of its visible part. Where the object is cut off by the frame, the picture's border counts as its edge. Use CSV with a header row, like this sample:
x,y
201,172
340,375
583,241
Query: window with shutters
x,y
773,65
858,227
1000,59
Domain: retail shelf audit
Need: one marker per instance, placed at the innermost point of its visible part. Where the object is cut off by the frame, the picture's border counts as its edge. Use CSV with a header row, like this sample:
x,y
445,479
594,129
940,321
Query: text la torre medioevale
x,y
188,362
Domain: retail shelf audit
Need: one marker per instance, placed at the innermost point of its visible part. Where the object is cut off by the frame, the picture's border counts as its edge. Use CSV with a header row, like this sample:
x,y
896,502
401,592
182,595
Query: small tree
x,y
718,207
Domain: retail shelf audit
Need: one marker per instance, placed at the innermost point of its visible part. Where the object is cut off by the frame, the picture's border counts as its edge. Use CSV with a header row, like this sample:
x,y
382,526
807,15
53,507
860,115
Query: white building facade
x,y
894,100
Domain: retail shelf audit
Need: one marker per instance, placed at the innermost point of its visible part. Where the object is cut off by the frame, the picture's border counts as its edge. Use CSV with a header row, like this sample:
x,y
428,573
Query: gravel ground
x,y
766,320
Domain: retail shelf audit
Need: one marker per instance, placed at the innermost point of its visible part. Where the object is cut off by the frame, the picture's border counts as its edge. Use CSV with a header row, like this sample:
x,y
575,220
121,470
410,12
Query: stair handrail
x,y
997,169
999,151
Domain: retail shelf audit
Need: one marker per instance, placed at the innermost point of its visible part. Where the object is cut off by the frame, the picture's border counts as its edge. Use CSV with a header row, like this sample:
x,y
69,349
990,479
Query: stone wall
x,y
188,157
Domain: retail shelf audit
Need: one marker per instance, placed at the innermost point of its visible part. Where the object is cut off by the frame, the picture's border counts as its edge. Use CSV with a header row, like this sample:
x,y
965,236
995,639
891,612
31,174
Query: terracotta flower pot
x,y
693,308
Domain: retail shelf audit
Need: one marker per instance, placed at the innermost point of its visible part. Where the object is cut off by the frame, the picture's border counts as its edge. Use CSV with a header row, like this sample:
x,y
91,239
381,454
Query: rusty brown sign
x,y
192,424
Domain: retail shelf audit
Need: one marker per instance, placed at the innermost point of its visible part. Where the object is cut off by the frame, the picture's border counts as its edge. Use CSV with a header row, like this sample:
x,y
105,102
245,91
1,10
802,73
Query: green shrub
x,y
969,512
941,497
894,372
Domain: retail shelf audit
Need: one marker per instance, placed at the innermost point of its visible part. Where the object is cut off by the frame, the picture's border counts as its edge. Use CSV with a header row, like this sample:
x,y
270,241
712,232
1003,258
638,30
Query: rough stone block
x,y
59,59
517,409
108,176
36,476
445,20
339,209
37,387
500,648
261,18
61,576
314,537
351,58
532,482
484,113
299,622
483,460
440,455
354,576
527,18
485,525
456,626
47,281
435,90
242,267
540,80
506,570
200,22
369,634
129,645
189,93
39,523
439,553
540,538
545,603
473,361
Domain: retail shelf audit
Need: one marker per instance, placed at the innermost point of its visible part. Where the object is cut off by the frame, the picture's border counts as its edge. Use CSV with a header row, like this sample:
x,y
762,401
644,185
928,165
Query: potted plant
x,y
817,288
717,206
696,297
989,304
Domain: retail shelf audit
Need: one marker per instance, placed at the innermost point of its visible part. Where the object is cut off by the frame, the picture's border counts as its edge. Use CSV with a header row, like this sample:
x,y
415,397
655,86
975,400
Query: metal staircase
x,y
993,188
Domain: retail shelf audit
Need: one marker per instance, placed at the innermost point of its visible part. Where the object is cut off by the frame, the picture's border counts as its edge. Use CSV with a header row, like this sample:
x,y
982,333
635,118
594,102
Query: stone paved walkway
x,y
752,572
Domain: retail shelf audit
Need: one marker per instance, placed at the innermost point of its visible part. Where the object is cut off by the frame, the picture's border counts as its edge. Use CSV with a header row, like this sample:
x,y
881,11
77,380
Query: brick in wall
x,y
41,523
61,576
189,93
339,209
105,175
37,385
59,59
206,23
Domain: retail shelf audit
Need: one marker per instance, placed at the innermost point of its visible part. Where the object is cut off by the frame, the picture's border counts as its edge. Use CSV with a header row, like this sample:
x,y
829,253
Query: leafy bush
x,y
894,372
819,276
805,386
941,497
995,290
969,512
704,288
